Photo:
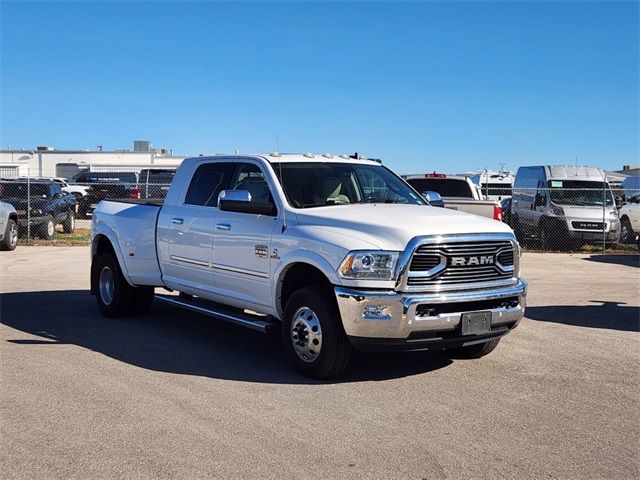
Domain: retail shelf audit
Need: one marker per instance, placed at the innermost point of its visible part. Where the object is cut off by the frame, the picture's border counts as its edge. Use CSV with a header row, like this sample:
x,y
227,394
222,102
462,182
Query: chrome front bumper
x,y
387,314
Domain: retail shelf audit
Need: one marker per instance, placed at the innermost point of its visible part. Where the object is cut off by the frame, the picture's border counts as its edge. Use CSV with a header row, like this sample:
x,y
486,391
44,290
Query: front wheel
x,y
626,231
313,336
475,351
10,236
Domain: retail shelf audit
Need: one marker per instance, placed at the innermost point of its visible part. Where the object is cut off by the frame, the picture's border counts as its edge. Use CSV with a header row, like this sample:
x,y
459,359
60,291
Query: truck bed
x,y
158,202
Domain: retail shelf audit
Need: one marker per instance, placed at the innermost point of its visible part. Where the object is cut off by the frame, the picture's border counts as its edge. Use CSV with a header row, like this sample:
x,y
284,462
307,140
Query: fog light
x,y
376,312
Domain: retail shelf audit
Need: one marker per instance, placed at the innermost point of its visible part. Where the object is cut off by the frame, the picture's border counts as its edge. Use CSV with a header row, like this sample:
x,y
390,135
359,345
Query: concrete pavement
x,y
177,395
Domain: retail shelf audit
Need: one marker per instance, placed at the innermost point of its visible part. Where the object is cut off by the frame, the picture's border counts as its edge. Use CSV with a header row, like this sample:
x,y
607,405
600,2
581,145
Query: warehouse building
x,y
46,161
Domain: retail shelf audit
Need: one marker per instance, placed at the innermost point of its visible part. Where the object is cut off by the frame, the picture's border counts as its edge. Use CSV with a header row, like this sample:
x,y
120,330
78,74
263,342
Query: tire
x,y
311,318
10,236
48,229
627,235
114,295
69,225
551,239
475,351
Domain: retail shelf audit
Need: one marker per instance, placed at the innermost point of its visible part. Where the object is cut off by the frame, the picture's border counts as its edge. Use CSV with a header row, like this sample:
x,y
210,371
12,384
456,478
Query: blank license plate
x,y
476,323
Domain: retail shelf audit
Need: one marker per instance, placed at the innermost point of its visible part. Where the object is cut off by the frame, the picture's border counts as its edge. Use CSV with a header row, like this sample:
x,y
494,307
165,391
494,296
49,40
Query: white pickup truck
x,y
337,253
457,192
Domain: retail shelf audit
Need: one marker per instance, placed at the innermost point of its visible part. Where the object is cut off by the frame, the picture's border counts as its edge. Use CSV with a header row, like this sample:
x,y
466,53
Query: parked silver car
x,y
8,227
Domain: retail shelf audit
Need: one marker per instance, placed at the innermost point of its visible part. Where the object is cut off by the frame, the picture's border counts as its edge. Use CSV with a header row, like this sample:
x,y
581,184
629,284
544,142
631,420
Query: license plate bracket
x,y
476,323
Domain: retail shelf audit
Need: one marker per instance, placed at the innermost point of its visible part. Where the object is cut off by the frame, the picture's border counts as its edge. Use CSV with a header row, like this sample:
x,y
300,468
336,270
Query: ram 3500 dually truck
x,y
339,253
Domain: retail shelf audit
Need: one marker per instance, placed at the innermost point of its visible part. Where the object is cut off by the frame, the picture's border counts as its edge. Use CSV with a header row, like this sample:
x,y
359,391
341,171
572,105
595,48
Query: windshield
x,y
580,193
19,190
308,184
446,187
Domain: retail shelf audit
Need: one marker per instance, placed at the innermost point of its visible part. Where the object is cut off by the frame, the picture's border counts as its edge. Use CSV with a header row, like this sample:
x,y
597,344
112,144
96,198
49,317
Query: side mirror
x,y
57,195
240,201
539,200
433,198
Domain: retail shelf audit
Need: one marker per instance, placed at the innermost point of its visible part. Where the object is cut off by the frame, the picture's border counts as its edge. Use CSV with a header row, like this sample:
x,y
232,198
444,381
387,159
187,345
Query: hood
x,y
589,212
391,226
21,203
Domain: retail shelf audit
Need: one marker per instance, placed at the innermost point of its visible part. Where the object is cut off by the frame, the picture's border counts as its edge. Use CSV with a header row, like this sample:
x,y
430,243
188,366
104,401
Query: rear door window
x,y
207,182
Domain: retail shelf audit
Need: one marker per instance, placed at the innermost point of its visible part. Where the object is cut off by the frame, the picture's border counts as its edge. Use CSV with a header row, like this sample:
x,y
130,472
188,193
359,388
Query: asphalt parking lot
x,y
177,395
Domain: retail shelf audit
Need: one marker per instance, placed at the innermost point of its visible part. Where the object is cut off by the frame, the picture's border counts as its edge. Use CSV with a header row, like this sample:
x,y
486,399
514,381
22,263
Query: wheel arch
x,y
103,243
294,276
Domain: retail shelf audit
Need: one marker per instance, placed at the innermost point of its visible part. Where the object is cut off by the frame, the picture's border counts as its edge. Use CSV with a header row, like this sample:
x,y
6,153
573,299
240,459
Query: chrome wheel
x,y
105,285
13,235
306,334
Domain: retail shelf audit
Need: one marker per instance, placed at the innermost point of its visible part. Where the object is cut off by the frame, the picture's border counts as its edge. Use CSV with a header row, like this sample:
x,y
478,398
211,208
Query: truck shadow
x,y
175,341
603,314
626,260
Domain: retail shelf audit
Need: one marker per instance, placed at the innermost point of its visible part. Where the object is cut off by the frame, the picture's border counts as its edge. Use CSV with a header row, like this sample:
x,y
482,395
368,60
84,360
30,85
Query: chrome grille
x,y
458,262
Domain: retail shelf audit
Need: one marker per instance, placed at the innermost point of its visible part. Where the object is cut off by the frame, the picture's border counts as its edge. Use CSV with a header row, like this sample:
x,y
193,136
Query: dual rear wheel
x,y
116,298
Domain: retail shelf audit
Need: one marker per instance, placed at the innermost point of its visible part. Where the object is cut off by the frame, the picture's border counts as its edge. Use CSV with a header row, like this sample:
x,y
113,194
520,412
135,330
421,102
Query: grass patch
x,y
81,237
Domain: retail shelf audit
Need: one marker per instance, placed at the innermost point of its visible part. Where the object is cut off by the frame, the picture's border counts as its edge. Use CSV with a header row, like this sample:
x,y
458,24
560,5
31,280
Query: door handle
x,y
177,221
223,226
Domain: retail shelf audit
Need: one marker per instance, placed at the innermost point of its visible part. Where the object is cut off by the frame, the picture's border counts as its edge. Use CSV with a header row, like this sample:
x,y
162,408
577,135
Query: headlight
x,y
613,214
372,265
556,210
36,211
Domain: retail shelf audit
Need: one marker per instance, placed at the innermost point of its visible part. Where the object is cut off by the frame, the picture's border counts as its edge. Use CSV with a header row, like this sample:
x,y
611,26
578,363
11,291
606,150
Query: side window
x,y
249,177
207,183
542,192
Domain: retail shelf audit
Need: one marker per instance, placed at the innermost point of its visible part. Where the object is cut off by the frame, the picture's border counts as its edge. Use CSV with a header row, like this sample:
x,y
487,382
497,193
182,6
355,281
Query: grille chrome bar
x,y
426,264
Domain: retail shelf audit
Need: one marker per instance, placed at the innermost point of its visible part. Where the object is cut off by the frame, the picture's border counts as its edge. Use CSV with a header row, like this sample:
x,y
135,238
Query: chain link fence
x,y
47,204
588,220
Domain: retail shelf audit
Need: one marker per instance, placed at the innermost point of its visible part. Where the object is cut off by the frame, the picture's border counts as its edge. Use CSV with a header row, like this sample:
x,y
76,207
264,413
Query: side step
x,y
199,305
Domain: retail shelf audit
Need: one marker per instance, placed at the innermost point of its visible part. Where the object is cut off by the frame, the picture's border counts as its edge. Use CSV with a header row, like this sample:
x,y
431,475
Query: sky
x,y
423,85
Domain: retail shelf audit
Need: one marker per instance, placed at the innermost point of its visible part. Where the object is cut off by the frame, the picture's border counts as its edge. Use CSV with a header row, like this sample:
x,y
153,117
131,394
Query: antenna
x,y
284,209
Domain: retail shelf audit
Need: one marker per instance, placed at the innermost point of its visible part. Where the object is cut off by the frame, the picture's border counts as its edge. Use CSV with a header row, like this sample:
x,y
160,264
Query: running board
x,y
198,305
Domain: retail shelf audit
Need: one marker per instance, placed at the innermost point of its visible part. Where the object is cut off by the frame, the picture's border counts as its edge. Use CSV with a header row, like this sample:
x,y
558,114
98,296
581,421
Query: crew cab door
x,y
185,230
242,243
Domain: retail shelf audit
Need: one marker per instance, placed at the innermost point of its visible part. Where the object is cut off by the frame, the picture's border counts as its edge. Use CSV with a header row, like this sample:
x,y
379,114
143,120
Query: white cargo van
x,y
562,204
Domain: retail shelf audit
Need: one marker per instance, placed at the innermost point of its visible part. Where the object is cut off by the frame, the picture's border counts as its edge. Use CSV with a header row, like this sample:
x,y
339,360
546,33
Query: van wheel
x,y
312,333
474,351
10,236
114,295
69,224
48,229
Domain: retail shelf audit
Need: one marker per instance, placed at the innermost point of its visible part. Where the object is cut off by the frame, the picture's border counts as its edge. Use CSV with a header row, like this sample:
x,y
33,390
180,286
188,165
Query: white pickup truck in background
x,y
338,253
457,192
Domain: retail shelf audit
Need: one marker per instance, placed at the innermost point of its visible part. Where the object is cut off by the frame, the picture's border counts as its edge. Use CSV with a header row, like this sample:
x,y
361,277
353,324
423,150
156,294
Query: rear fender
x,y
103,231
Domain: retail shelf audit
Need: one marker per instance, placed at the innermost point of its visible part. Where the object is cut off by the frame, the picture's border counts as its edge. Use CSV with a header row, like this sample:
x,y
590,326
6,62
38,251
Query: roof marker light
x,y
327,155
274,154
308,155
344,156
